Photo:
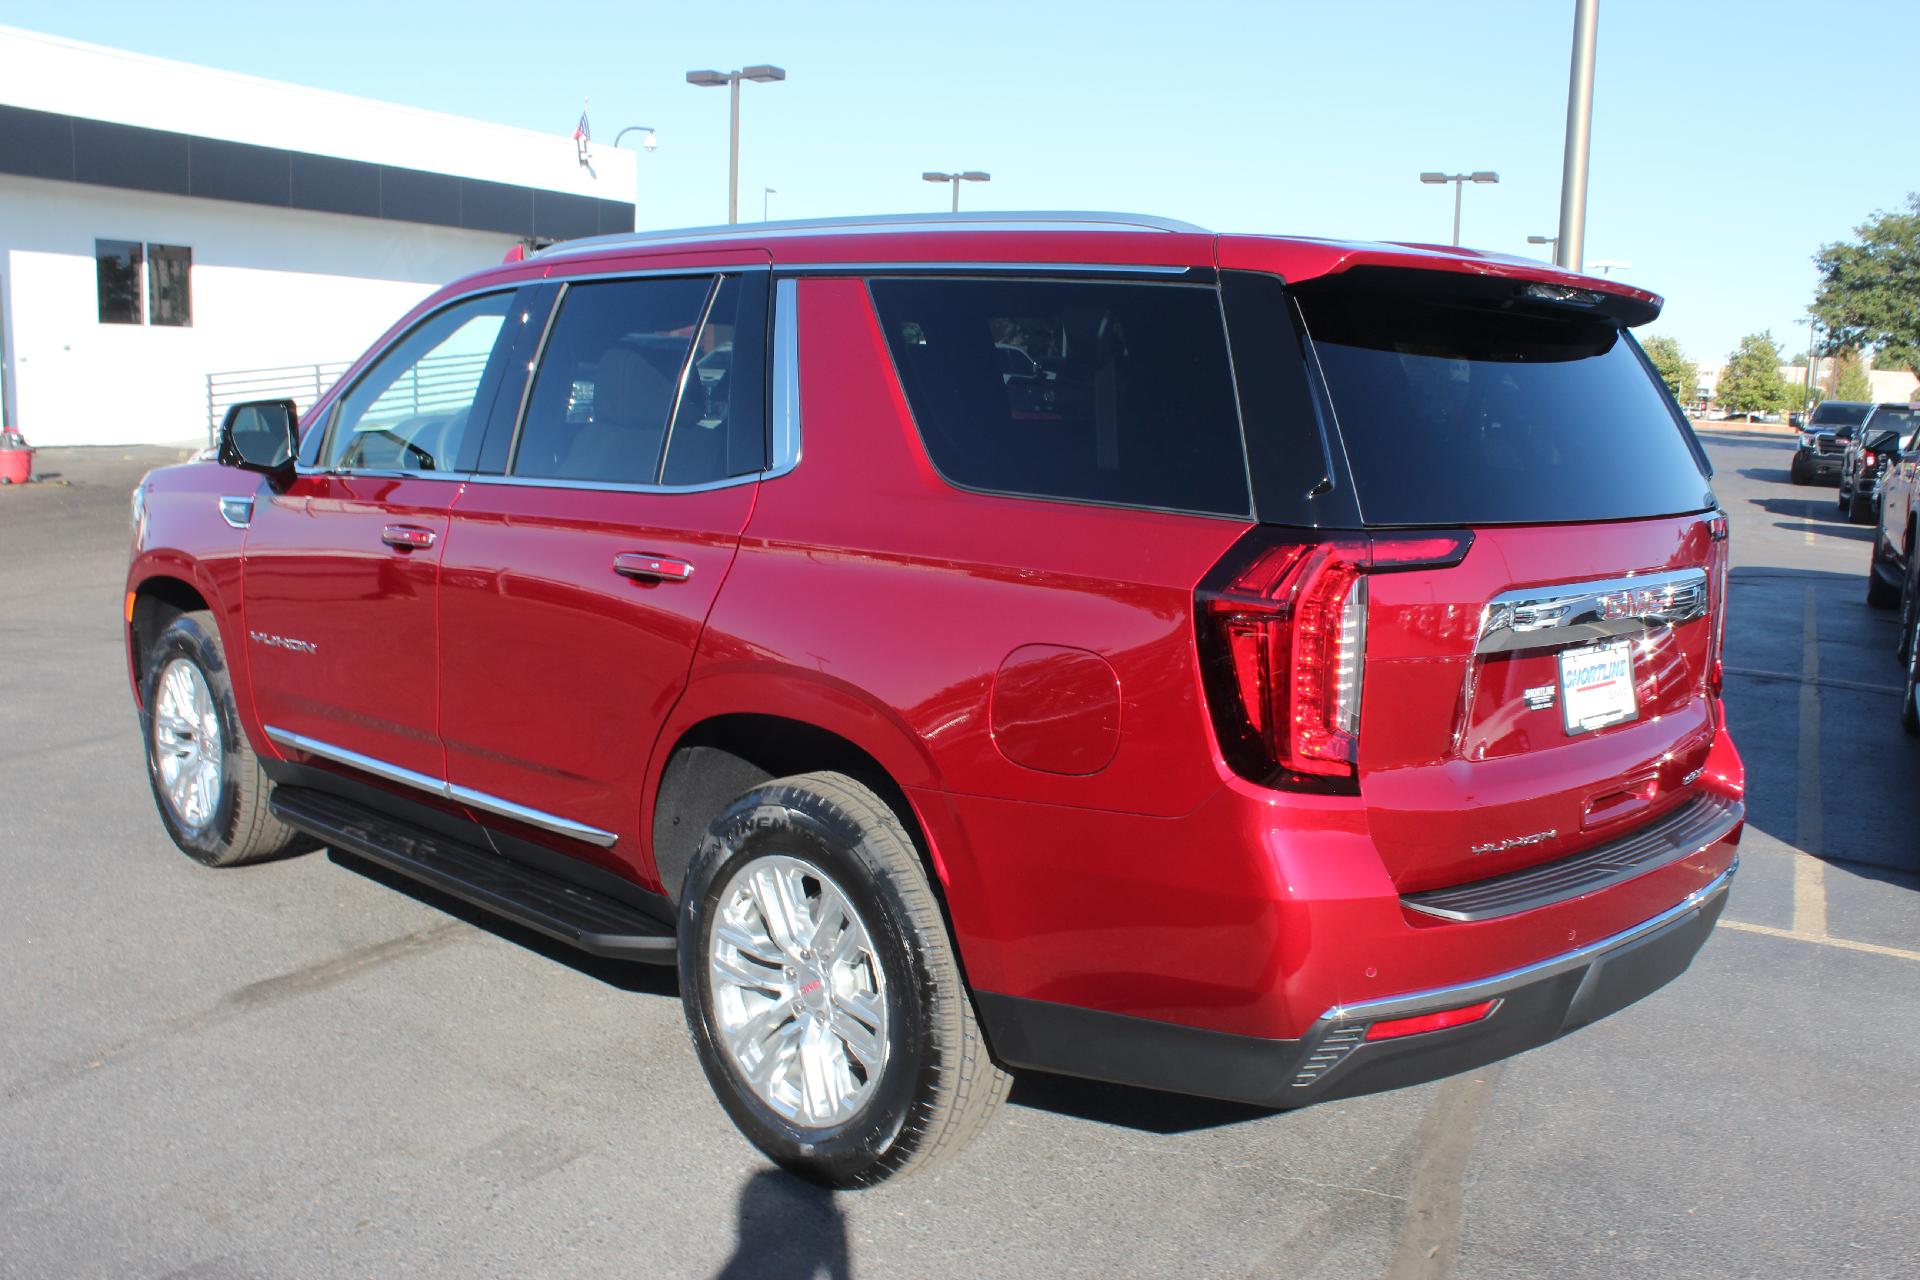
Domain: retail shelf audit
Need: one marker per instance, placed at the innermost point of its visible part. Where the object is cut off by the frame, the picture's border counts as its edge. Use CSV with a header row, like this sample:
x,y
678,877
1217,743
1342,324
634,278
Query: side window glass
x,y
609,379
698,444
411,410
1091,391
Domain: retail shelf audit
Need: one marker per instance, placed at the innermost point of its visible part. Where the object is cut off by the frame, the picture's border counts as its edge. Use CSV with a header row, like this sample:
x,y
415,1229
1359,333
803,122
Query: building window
x,y
144,283
170,299
118,264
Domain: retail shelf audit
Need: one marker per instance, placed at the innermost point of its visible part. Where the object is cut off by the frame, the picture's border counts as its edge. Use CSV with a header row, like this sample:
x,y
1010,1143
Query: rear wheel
x,y
822,992
1910,700
1859,507
207,782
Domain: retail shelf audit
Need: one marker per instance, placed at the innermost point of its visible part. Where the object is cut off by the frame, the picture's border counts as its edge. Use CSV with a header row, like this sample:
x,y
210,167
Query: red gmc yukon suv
x,y
1271,669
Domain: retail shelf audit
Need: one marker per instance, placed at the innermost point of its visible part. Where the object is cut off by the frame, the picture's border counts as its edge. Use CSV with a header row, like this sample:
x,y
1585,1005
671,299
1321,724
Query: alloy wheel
x,y
799,997
187,747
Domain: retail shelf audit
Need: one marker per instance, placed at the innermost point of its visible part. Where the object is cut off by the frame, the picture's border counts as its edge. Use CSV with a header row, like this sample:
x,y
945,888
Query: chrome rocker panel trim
x,y
444,789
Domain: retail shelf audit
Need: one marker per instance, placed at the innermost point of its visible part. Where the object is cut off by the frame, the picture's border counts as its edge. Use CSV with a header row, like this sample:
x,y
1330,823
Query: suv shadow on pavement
x,y
1813,514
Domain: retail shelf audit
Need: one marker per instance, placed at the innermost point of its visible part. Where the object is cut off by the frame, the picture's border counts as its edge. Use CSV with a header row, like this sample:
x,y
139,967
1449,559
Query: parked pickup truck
x,y
1315,690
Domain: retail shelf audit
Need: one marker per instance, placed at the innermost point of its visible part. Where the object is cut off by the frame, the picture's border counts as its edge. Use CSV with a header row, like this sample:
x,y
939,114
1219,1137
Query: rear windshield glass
x,y
1898,421
1837,414
1456,409
1086,390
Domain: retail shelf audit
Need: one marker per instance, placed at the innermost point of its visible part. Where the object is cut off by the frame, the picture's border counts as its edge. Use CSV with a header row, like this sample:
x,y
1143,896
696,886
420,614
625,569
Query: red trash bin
x,y
16,459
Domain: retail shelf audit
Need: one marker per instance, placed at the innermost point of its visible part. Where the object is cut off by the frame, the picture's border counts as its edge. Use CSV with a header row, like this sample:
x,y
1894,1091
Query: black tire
x,y
1840,496
1882,594
1796,472
238,827
1909,599
938,1086
1860,507
1911,624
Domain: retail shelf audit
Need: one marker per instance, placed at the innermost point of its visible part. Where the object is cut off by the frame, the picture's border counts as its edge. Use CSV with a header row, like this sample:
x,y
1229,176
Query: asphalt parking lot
x,y
300,1070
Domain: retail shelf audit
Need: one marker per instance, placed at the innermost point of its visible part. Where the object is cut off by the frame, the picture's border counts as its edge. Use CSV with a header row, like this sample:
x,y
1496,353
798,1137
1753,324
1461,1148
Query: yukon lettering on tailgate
x,y
1501,846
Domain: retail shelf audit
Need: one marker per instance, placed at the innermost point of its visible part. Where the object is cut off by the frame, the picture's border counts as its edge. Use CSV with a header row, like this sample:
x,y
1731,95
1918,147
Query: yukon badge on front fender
x,y
282,642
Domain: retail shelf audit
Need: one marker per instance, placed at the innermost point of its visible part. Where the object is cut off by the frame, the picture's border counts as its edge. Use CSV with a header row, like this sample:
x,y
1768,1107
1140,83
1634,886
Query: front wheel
x,y
822,992
1796,472
207,783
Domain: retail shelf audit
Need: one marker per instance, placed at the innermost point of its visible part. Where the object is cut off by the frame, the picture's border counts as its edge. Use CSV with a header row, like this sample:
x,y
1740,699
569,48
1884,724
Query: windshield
x,y
1454,411
1837,413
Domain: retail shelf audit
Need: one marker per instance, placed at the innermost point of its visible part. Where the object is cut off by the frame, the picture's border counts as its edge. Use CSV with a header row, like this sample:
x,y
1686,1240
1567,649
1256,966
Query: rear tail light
x,y
1867,458
1282,630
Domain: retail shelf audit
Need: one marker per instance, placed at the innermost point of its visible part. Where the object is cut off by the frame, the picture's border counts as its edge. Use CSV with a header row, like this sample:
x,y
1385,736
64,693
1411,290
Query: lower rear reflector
x,y
1395,1027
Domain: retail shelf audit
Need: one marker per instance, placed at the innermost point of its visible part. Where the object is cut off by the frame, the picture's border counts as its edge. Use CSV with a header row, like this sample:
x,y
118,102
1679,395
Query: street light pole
x,y
1571,251
760,73
765,194
1459,181
1548,240
970,175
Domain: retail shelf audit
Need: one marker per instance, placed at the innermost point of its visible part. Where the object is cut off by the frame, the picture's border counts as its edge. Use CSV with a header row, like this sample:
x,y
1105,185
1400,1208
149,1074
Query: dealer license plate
x,y
1596,686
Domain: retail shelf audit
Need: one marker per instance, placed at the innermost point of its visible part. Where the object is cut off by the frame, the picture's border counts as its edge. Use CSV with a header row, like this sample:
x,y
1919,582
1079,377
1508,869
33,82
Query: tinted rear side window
x,y
1095,391
1460,406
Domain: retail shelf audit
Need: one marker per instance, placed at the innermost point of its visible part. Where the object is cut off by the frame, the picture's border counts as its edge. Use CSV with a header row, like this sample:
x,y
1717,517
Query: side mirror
x,y
261,436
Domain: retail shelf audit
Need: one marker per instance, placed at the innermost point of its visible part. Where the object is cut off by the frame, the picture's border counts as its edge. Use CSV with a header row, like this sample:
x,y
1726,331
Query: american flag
x,y
580,131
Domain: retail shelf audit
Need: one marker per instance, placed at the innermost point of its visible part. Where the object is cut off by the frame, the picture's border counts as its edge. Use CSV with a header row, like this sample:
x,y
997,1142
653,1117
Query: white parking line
x,y
1822,940
1809,872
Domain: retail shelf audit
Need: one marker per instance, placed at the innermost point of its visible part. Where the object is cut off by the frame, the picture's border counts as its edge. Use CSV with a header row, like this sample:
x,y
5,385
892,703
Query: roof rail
x,y
1050,220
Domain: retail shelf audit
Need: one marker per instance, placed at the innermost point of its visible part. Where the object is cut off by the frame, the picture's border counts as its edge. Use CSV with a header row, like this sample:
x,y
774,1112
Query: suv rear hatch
x,y
1517,648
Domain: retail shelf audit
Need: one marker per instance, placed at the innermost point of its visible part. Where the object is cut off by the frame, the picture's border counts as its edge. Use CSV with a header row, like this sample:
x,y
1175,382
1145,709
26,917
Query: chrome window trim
x,y
442,788
784,393
1544,617
608,486
1501,983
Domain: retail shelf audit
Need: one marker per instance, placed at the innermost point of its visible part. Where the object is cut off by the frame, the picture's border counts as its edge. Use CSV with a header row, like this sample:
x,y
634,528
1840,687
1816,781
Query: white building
x,y
161,222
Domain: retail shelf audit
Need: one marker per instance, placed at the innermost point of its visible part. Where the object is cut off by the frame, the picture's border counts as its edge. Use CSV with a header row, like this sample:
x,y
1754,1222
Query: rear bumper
x,y
1536,1003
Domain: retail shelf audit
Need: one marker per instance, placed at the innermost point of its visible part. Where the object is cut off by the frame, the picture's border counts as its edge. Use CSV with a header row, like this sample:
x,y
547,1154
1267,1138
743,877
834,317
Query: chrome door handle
x,y
644,566
407,537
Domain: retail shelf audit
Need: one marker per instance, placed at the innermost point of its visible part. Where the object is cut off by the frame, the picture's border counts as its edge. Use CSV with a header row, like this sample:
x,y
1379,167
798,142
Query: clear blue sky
x,y
1730,140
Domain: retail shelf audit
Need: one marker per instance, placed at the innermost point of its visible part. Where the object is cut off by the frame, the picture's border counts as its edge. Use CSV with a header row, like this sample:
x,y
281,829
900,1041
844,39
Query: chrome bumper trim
x,y
1487,988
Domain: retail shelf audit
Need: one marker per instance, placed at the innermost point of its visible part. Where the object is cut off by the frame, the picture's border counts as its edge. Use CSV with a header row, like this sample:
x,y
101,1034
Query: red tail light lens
x,y
1282,625
1866,459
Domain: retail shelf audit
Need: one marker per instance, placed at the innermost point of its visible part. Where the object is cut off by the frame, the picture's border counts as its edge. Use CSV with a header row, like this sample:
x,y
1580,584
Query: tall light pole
x,y
970,175
1459,181
1573,173
1547,240
760,73
765,193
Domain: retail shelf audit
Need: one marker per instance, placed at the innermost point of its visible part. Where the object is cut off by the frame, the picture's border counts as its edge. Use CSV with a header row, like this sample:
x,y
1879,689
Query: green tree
x,y
1680,374
1851,381
1751,382
1869,292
